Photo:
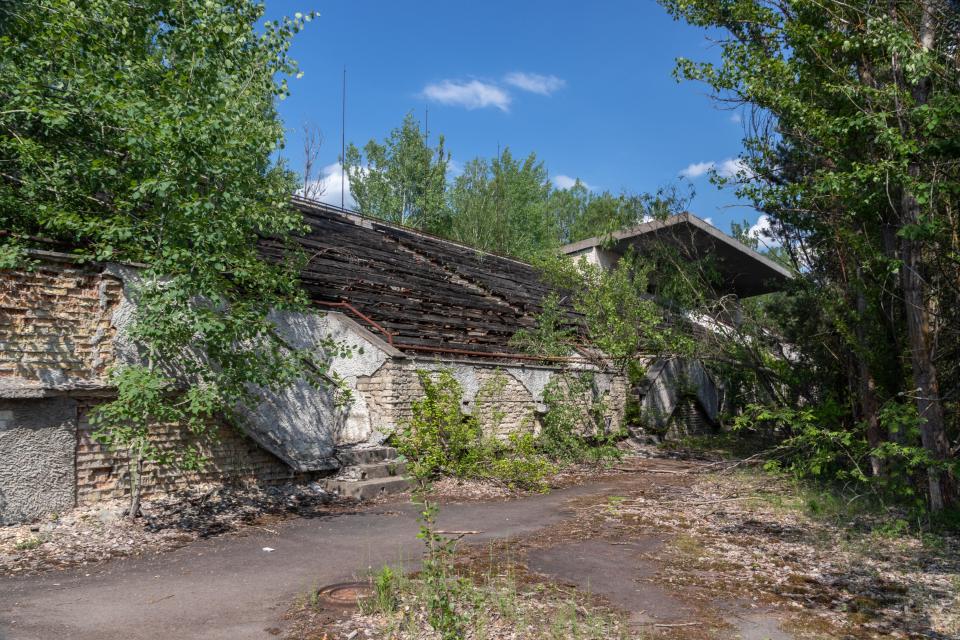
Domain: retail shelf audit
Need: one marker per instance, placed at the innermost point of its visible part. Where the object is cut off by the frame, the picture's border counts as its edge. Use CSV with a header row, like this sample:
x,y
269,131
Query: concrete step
x,y
365,455
368,489
388,469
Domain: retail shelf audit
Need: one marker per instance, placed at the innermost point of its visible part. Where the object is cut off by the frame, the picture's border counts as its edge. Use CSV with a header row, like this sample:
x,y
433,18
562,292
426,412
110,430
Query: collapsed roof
x,y
422,293
419,292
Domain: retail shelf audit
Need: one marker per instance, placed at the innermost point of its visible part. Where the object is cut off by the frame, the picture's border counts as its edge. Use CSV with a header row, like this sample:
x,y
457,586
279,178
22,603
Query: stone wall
x,y
507,398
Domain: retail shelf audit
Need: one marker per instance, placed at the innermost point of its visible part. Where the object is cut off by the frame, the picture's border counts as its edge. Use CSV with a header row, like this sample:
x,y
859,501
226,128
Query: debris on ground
x,y
93,534
759,537
732,550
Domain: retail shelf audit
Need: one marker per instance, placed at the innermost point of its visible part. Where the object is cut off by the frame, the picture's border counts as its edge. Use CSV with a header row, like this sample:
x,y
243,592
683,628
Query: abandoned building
x,y
407,301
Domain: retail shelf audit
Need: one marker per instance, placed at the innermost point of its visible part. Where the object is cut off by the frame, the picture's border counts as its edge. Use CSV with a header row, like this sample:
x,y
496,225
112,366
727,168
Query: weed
x,y
574,427
689,546
892,529
28,544
387,587
613,504
440,439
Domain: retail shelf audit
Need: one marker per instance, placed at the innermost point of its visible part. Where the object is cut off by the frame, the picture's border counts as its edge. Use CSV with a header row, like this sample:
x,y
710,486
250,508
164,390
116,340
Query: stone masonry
x,y
507,398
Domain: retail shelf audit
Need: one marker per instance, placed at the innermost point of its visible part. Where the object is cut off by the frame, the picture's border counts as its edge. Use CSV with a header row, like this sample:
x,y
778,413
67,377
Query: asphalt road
x,y
229,588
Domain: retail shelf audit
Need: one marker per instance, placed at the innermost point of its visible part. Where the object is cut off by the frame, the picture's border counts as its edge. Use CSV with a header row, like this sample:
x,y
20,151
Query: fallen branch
x,y
674,473
705,502
457,533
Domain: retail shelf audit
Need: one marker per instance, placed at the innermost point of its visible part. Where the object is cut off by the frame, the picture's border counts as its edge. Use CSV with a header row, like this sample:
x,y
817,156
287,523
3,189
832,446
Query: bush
x,y
440,439
574,429
815,442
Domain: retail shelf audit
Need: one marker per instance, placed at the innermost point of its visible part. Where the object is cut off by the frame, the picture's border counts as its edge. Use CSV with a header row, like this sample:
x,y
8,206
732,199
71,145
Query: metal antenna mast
x,y
343,136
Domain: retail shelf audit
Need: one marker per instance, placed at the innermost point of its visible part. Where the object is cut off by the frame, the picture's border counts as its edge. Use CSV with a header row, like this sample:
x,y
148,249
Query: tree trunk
x,y
869,404
136,480
933,433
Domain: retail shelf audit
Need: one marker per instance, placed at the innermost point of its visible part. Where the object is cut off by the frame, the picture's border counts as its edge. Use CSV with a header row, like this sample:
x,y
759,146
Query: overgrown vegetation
x,y
574,427
441,439
144,133
852,156
488,605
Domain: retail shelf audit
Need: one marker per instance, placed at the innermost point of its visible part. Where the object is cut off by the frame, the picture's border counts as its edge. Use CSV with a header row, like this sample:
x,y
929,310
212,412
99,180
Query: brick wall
x,y
233,459
55,322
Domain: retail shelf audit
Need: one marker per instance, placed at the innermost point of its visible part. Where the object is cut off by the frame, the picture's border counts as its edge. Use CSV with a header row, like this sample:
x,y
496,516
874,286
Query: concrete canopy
x,y
745,272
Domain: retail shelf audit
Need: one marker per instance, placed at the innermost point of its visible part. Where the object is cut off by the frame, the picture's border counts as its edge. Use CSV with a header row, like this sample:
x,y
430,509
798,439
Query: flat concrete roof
x,y
746,272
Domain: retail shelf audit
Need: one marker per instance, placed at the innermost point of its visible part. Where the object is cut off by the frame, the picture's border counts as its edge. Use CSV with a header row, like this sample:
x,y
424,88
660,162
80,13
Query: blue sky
x,y
588,86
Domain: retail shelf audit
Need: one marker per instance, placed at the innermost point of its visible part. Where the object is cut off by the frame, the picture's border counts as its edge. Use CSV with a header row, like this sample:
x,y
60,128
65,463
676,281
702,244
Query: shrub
x,y
574,428
816,443
440,439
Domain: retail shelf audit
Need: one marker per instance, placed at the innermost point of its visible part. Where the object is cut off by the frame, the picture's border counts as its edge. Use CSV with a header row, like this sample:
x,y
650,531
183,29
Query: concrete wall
x,y
303,424
669,383
597,256
37,440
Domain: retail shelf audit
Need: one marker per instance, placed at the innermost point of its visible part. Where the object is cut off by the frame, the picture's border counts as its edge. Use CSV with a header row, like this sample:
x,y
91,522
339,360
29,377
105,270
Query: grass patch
x,y
689,547
28,544
492,604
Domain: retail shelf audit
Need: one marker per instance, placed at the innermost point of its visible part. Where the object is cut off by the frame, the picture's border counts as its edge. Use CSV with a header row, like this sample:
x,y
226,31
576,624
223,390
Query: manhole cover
x,y
345,594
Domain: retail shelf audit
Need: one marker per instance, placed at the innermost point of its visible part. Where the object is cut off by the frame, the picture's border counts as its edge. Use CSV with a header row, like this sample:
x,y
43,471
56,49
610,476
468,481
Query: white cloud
x,y
534,82
326,188
729,168
566,182
732,167
454,168
470,95
763,231
709,221
696,170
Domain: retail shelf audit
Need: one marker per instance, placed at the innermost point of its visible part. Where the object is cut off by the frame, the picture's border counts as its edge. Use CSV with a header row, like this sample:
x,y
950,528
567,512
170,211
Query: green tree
x,y
401,180
143,133
855,162
500,205
582,214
